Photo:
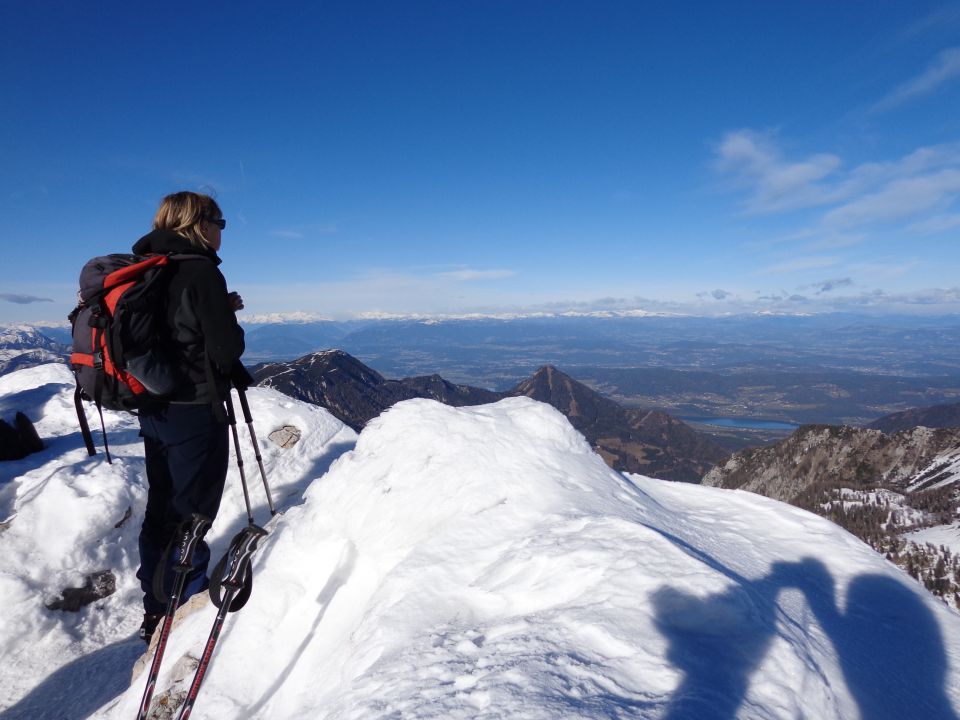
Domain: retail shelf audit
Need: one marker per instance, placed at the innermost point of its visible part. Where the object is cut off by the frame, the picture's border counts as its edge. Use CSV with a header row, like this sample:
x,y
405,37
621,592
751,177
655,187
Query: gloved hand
x,y
240,377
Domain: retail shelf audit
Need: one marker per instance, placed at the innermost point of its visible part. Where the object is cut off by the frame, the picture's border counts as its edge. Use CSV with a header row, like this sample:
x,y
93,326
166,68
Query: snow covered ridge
x,y
22,346
24,337
466,563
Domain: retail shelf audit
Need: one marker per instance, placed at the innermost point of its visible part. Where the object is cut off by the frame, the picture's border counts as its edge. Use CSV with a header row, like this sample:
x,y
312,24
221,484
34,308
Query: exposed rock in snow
x,y
96,586
286,437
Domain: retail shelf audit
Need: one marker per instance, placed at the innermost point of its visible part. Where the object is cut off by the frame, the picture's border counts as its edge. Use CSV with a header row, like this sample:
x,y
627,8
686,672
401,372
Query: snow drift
x,y
463,563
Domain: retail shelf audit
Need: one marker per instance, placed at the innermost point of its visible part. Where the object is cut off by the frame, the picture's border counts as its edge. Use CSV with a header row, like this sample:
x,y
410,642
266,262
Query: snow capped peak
x,y
472,562
296,318
23,336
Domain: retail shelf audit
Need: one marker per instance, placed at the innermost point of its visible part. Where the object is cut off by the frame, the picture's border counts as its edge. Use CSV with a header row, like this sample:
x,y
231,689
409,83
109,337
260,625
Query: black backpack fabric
x,y
118,326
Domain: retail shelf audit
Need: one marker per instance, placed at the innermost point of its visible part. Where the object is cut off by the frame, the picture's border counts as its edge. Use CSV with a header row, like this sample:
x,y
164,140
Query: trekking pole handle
x,y
192,533
239,556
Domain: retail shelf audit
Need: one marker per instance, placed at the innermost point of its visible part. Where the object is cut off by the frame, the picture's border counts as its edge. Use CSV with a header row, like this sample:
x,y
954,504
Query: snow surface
x,y
946,535
464,563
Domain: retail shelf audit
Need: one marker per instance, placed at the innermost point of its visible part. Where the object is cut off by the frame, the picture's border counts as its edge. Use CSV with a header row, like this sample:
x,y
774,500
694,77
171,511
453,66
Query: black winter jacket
x,y
199,319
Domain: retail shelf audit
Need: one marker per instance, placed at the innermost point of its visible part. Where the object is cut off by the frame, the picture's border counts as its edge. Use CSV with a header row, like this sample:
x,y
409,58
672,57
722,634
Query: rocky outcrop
x,y
95,587
285,437
834,454
355,393
20,439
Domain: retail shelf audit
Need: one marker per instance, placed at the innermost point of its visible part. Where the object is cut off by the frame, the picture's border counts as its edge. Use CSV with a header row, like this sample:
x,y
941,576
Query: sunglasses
x,y
219,222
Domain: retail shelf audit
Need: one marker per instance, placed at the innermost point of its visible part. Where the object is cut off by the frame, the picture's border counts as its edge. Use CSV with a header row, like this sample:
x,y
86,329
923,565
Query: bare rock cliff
x,y
833,454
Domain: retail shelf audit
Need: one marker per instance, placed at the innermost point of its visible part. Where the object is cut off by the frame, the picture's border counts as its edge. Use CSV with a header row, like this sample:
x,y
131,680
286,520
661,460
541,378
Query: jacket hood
x,y
167,241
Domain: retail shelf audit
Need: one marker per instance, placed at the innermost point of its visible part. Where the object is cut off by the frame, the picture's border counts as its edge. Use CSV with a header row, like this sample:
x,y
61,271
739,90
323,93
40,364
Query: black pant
x,y
187,452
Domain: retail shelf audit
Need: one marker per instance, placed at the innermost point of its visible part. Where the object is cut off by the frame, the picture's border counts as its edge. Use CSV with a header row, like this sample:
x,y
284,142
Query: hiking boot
x,y
149,625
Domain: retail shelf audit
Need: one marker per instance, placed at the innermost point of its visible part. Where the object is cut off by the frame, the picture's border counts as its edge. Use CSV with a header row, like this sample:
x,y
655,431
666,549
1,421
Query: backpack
x,y
117,355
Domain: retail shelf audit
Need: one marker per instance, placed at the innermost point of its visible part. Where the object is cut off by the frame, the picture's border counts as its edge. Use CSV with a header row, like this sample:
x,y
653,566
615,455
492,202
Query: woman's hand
x,y
236,302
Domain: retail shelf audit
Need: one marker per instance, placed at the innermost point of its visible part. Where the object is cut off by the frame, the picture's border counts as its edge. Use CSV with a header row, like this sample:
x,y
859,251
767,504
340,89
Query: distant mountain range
x,y
938,416
22,346
834,369
630,440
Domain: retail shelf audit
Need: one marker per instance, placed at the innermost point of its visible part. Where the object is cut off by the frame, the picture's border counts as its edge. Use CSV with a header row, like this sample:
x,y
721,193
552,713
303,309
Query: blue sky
x,y
450,157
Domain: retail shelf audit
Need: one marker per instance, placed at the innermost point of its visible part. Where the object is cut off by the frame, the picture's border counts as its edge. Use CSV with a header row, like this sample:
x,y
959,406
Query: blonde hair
x,y
183,212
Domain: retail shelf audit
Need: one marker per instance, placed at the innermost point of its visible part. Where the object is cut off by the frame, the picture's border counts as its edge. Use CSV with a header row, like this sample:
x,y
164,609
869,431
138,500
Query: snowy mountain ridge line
x,y
944,470
463,563
294,318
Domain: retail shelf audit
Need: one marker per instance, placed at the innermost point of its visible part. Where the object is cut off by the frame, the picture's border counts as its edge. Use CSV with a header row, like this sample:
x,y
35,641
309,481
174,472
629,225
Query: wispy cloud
x,y
941,297
943,18
799,264
717,294
893,194
299,232
884,269
901,198
470,275
826,286
935,224
23,299
942,70
754,160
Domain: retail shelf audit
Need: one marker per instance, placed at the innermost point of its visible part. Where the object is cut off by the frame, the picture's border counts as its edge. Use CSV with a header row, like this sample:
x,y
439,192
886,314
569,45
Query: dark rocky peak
x,y
339,363
436,388
577,401
631,440
355,393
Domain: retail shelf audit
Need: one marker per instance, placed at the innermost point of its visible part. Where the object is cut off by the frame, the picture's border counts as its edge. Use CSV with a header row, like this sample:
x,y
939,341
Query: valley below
x,y
832,369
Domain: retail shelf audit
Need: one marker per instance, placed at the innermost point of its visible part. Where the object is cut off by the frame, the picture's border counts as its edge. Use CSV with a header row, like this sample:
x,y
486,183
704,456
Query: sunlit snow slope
x,y
464,563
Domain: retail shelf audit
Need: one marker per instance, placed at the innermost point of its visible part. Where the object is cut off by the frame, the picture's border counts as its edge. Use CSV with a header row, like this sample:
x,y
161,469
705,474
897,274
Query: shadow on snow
x,y
81,687
887,641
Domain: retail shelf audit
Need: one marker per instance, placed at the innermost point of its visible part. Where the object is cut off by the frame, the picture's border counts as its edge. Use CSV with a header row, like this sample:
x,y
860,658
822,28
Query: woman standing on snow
x,y
185,437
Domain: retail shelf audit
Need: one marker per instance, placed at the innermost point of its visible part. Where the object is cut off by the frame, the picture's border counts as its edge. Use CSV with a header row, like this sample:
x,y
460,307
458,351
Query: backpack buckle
x,y
97,360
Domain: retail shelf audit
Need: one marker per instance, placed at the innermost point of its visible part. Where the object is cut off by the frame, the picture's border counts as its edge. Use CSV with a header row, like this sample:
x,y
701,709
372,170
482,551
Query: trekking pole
x,y
245,406
233,575
232,419
191,533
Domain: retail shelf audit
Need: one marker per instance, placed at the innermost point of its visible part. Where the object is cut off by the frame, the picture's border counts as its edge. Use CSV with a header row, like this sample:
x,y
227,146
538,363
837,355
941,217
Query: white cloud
x,y
944,68
826,286
23,299
938,297
895,195
776,184
899,199
717,294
